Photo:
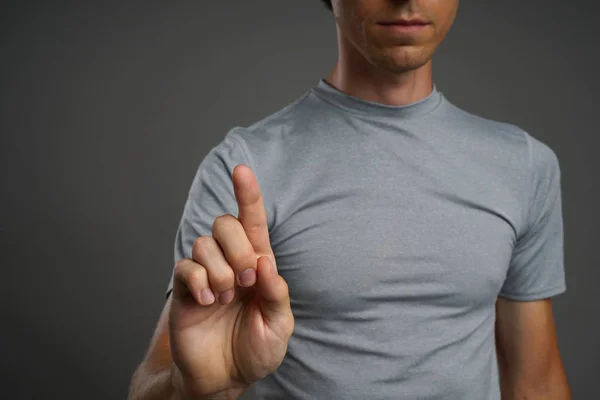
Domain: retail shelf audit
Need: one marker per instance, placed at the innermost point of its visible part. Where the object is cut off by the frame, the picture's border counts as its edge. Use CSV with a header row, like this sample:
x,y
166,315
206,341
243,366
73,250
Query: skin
x,y
376,64
218,333
228,321
529,360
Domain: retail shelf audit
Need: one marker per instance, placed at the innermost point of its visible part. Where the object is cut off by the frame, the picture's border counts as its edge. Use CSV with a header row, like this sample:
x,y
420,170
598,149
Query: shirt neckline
x,y
334,96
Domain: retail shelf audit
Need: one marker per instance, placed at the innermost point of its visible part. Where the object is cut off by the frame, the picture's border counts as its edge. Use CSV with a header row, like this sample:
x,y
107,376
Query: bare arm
x,y
529,361
156,377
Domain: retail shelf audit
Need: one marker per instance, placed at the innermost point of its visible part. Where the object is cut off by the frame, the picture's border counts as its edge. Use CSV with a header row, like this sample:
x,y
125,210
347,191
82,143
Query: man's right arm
x,y
157,377
204,326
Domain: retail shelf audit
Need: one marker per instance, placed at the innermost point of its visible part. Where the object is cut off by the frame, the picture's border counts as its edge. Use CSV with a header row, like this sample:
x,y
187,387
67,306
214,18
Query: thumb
x,y
273,289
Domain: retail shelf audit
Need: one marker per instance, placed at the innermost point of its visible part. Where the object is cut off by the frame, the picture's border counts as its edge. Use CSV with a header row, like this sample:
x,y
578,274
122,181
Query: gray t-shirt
x,y
396,229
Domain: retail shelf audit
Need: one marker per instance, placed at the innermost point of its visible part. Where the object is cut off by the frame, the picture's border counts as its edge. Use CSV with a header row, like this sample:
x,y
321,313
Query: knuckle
x,y
202,245
180,266
224,279
200,242
225,221
177,265
243,258
195,277
285,286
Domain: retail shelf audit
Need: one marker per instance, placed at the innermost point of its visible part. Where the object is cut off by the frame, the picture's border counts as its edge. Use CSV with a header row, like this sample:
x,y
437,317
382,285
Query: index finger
x,y
252,214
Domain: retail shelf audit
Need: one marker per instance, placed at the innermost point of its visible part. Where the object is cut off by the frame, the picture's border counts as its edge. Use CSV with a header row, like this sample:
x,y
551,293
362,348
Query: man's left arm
x,y
529,360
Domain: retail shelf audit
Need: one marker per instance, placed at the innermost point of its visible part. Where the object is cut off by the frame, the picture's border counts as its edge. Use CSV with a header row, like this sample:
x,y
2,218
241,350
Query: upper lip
x,y
405,21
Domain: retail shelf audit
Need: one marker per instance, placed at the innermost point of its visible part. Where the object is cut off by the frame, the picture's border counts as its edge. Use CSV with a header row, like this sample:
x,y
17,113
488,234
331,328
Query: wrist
x,y
182,392
177,383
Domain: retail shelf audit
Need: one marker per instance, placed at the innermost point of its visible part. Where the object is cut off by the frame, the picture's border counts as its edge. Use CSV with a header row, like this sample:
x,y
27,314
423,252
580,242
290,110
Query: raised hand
x,y
230,318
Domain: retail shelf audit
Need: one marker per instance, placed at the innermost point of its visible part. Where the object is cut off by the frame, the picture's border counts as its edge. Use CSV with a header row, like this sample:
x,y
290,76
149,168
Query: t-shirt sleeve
x,y
536,269
211,195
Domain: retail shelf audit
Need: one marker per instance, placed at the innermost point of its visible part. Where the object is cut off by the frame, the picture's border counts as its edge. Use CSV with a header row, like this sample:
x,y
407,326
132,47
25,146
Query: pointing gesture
x,y
230,319
252,213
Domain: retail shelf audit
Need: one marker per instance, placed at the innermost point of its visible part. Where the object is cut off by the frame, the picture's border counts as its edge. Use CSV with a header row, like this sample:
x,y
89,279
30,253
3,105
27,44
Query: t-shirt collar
x,y
332,95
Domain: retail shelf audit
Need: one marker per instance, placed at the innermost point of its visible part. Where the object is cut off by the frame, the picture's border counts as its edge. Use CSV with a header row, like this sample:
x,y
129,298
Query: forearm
x,y
161,384
148,384
553,386
523,392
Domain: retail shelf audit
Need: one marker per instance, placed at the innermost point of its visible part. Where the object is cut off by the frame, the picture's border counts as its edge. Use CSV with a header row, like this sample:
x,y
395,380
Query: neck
x,y
356,76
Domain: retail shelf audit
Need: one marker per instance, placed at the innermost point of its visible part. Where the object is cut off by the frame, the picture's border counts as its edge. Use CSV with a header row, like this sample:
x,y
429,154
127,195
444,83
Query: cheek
x,y
356,14
356,28
445,15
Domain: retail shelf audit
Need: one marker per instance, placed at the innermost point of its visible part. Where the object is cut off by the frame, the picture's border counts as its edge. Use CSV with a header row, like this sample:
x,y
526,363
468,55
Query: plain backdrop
x,y
107,109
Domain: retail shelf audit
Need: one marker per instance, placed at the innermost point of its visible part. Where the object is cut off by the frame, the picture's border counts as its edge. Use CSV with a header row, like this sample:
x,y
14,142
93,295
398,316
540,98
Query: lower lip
x,y
405,28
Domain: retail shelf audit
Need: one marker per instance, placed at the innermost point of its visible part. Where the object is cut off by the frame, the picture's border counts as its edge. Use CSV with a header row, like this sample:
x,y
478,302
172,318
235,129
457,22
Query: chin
x,y
401,59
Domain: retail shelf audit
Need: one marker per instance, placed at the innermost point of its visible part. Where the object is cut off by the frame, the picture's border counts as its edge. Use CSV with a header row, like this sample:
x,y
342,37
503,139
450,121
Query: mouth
x,y
404,27
406,22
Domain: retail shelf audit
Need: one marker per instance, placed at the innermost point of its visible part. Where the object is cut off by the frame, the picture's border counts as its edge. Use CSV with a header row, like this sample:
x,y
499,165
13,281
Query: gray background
x,y
107,110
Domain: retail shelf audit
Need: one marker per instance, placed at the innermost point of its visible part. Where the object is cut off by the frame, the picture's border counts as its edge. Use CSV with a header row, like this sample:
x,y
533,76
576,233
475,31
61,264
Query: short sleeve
x,y
211,194
536,269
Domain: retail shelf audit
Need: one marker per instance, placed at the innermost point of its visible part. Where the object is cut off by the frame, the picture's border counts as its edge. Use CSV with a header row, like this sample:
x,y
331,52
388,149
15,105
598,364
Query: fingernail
x,y
207,296
248,277
226,297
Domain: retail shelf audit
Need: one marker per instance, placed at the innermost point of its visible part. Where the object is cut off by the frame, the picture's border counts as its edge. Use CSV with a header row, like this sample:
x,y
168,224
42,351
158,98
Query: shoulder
x,y
482,126
535,153
283,132
274,124
268,144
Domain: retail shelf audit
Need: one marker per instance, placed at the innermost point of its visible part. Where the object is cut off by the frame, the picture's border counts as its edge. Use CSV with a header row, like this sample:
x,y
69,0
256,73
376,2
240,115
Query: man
x,y
369,241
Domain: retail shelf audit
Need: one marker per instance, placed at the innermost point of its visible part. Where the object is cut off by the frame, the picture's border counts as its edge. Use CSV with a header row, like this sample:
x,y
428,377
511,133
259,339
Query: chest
x,y
394,232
